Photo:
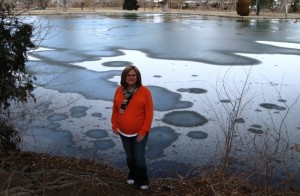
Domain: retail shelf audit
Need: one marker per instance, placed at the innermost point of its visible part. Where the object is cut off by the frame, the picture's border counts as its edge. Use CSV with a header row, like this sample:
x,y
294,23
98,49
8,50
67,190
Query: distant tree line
x,y
256,5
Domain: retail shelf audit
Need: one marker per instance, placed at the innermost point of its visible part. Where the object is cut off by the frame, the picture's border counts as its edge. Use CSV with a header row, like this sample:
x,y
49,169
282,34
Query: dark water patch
x,y
182,90
53,126
193,90
157,76
281,100
86,153
57,117
184,119
104,144
96,133
256,126
165,100
159,139
54,142
98,115
55,56
73,79
44,105
132,16
240,120
197,135
167,169
257,110
197,90
272,106
225,101
78,111
116,63
256,131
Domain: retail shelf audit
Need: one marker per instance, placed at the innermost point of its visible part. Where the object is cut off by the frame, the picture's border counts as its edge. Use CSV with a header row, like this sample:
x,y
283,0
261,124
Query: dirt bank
x,y
40,174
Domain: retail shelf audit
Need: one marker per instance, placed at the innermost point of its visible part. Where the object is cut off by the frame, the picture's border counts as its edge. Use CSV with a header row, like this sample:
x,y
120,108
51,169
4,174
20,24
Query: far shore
x,y
158,10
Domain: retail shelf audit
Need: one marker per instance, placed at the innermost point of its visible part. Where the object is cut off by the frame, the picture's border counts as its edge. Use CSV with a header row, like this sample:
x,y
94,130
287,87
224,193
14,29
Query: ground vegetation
x,y
27,173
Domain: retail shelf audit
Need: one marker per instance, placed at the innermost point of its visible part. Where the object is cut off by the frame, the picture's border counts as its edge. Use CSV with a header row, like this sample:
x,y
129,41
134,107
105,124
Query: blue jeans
x,y
135,156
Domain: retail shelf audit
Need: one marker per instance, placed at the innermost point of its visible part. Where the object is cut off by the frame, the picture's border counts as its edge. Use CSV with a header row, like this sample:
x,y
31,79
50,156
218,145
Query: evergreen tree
x,y
130,5
15,43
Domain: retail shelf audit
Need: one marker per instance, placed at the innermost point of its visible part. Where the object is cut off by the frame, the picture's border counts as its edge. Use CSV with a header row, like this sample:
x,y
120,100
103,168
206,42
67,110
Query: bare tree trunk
x,y
1,8
257,7
165,6
64,5
180,3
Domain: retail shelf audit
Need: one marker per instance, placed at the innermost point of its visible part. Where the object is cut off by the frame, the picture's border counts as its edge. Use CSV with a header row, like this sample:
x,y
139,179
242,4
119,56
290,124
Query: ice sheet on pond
x,y
183,75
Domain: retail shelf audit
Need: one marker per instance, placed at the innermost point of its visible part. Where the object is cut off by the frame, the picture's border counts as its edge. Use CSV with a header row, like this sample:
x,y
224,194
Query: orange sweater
x,y
138,115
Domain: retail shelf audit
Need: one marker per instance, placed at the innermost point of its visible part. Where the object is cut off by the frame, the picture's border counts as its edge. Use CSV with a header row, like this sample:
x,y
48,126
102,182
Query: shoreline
x,y
30,173
216,13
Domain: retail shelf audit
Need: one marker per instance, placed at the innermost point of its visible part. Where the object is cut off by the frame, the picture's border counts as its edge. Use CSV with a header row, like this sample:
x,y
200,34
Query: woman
x,y
132,116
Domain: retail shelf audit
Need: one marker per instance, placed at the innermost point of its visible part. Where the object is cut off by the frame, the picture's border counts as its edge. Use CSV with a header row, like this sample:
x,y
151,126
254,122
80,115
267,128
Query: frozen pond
x,y
196,68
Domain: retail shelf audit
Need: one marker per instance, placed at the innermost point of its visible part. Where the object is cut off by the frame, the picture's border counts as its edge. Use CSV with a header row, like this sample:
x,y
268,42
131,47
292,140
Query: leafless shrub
x,y
261,154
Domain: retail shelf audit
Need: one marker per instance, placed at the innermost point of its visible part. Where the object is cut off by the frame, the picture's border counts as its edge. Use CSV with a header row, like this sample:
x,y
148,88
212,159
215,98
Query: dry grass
x,y
40,174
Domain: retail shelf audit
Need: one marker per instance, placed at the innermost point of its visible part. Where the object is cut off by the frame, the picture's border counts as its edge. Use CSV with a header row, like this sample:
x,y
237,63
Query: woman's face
x,y
131,78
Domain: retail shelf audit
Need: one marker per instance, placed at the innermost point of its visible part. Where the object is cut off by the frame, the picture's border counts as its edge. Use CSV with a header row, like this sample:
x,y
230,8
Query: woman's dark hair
x,y
126,70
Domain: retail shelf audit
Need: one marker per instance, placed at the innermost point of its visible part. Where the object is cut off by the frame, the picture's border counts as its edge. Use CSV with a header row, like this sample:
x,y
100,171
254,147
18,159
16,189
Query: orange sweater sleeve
x,y
149,108
115,109
138,116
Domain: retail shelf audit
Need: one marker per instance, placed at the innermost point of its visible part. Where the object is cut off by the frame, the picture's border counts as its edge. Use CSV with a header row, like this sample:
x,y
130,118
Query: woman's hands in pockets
x,y
139,137
116,132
